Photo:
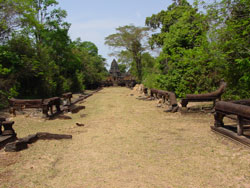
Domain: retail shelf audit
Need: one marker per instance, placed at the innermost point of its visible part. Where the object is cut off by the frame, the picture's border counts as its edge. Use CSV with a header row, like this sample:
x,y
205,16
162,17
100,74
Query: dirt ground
x,y
127,143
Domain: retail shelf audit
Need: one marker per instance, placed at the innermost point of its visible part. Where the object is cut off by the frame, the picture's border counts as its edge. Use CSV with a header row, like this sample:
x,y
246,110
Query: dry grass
x,y
126,143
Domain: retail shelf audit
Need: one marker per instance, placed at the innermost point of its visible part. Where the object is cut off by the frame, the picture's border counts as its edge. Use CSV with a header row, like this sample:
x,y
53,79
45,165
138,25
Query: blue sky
x,y
93,20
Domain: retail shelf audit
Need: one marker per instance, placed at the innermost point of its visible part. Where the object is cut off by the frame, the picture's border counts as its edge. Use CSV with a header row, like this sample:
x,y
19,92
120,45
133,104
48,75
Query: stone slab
x,y
6,139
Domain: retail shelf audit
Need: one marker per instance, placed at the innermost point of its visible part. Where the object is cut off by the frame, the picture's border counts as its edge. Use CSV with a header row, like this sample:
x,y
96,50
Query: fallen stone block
x,y
22,143
29,139
48,136
78,100
16,146
80,124
6,139
64,117
75,109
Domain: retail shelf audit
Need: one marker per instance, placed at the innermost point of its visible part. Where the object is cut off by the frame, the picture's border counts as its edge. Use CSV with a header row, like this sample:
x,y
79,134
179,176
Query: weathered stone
x,y
213,96
75,109
16,146
67,98
145,91
78,100
80,124
164,96
64,117
116,77
223,108
29,139
8,130
22,143
6,139
2,119
46,105
45,136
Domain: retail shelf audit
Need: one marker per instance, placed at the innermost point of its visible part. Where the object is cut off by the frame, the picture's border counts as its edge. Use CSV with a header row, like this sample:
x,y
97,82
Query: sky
x,y
93,20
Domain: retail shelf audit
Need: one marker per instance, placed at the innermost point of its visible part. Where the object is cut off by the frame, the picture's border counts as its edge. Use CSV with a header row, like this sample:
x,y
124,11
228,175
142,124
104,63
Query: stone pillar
x,y
8,130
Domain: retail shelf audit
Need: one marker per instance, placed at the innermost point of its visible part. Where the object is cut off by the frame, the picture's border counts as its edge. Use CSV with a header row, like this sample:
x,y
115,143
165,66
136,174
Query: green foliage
x,y
38,58
150,80
90,47
164,20
130,39
93,65
185,64
234,43
192,72
122,68
198,49
148,69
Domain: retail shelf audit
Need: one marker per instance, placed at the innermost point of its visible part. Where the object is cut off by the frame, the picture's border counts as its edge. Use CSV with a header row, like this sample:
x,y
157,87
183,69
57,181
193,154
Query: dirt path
x,y
126,143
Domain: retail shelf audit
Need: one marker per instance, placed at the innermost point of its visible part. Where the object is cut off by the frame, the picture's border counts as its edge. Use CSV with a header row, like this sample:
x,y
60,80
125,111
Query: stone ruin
x,y
116,78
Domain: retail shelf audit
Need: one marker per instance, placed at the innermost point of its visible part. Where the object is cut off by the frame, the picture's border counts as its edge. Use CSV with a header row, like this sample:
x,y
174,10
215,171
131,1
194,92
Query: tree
x,y
165,19
186,63
231,35
90,47
131,39
11,17
122,68
92,65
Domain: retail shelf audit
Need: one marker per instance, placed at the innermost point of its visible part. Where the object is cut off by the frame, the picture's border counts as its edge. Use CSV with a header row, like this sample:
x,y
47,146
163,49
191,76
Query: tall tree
x,y
232,37
37,56
11,16
131,39
165,19
185,64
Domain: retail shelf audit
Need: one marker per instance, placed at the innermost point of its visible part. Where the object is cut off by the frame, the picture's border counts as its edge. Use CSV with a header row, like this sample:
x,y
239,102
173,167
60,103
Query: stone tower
x,y
114,69
115,72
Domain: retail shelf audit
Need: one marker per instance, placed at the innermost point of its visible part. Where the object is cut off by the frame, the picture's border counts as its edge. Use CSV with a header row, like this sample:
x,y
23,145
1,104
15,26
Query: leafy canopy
x,y
130,40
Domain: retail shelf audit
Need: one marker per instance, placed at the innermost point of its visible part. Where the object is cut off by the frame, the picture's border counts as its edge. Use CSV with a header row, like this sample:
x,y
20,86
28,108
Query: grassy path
x,y
126,143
